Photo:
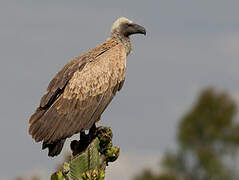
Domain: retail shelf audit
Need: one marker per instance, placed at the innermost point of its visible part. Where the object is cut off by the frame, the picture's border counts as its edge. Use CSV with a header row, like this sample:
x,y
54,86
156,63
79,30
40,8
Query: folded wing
x,y
79,93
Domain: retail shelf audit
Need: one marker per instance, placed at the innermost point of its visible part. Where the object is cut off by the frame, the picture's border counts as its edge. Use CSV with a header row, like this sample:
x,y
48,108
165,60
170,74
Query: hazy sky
x,y
189,45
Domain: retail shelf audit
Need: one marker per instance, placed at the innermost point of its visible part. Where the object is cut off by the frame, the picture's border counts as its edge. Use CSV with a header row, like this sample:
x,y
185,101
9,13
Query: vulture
x,y
80,92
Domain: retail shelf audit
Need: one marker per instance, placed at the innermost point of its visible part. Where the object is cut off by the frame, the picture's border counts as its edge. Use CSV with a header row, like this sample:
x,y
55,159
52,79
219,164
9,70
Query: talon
x,y
83,136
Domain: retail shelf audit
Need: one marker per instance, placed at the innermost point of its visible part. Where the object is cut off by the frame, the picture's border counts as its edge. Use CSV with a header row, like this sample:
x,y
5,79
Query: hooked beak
x,y
139,29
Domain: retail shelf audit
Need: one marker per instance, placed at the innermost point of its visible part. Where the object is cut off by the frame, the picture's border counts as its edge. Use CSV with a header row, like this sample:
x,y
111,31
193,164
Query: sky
x,y
189,45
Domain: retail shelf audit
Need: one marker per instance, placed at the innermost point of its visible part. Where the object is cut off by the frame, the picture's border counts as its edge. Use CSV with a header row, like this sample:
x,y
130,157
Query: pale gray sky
x,y
189,45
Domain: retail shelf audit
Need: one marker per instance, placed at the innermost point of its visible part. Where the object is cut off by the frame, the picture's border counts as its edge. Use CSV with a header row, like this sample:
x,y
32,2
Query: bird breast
x,y
98,75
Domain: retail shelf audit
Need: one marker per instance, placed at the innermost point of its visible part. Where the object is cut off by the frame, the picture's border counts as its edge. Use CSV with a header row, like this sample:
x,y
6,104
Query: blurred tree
x,y
33,177
148,175
208,140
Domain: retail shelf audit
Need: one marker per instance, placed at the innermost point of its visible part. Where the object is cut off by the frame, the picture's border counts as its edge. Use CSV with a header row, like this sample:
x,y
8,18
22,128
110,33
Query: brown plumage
x,y
79,93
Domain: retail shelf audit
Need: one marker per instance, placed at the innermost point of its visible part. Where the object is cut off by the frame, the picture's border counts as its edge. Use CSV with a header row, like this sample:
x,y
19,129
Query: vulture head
x,y
124,27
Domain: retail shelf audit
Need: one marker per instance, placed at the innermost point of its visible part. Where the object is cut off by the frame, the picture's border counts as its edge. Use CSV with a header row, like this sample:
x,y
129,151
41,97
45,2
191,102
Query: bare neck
x,y
123,39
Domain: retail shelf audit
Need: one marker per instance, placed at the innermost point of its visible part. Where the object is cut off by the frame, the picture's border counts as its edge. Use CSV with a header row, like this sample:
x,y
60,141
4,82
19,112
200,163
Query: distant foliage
x,y
33,177
148,175
208,140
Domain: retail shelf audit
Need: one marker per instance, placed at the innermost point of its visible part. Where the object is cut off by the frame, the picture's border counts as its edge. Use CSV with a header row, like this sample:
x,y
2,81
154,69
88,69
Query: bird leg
x,y
81,145
85,140
92,132
83,136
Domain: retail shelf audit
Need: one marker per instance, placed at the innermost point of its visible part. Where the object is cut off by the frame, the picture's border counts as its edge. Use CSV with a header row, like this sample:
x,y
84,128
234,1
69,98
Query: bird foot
x,y
85,139
104,134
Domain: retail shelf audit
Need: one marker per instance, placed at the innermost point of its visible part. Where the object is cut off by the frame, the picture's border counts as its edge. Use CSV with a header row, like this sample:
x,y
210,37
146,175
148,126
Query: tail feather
x,y
34,121
39,130
54,148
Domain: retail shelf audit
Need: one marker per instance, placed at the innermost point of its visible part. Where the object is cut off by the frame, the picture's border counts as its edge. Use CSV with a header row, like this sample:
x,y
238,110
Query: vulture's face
x,y
125,27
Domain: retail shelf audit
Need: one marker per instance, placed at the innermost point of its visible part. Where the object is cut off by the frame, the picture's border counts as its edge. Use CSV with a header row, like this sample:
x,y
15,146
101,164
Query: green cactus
x,y
90,163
